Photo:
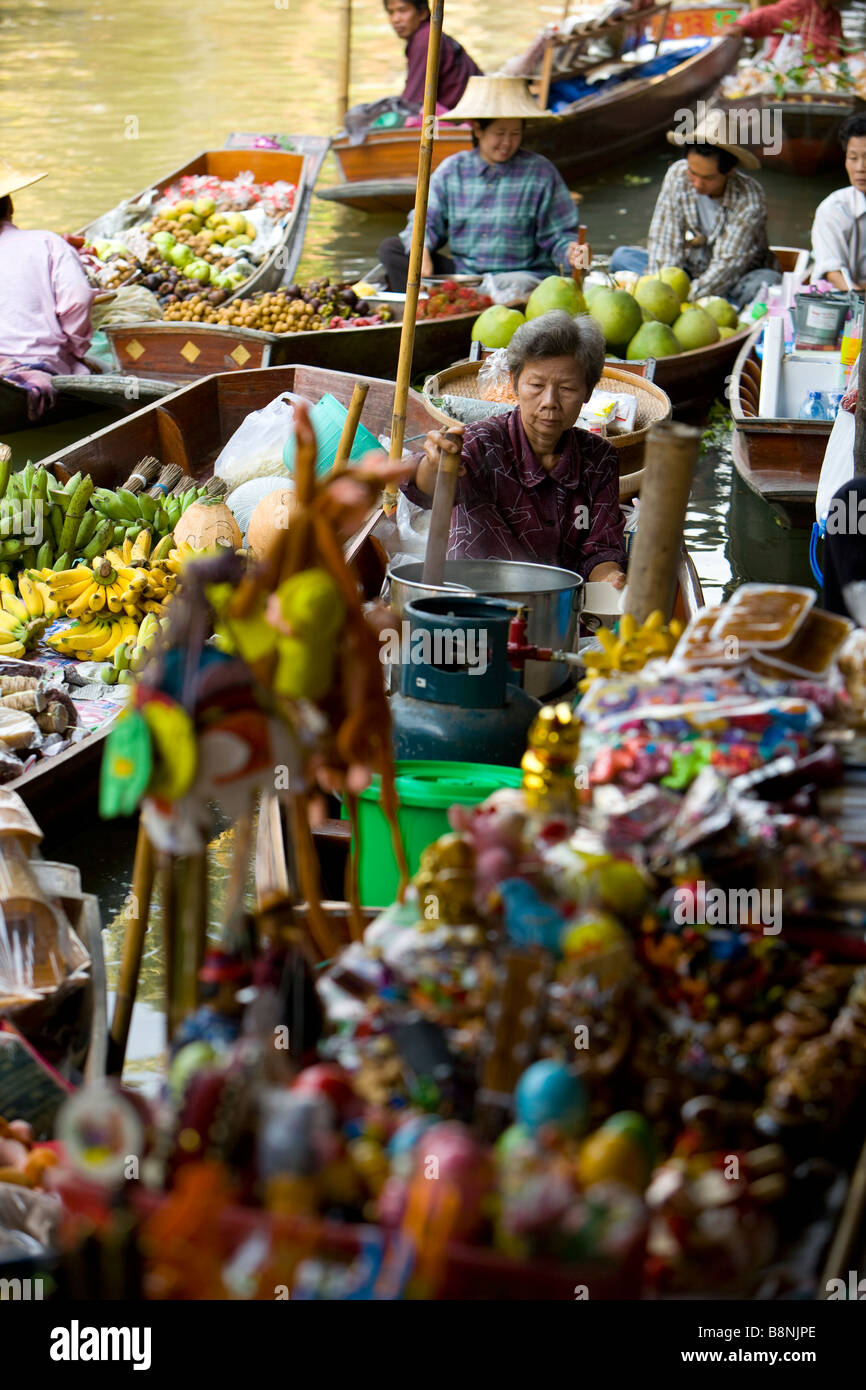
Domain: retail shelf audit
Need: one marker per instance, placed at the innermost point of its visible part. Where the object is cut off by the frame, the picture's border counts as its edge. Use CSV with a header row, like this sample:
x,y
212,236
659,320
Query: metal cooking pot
x,y
553,596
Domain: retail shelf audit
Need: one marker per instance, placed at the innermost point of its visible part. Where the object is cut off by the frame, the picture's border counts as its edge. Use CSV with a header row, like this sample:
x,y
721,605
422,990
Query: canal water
x,y
107,96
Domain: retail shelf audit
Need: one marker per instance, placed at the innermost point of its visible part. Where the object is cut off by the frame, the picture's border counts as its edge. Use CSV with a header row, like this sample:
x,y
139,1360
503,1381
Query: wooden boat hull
x,y
619,121
779,459
693,380
267,166
809,129
13,410
183,352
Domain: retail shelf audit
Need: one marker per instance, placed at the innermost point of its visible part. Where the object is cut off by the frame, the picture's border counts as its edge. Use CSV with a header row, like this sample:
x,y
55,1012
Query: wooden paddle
x,y
419,227
440,517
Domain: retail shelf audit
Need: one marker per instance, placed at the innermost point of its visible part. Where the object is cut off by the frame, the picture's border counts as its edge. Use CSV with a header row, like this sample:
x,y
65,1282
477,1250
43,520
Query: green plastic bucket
x,y
425,791
328,417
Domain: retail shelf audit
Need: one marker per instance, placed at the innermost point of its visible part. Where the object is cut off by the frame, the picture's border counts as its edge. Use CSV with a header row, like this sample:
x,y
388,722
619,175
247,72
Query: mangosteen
x,y
349,297
216,296
314,305
165,287
362,308
172,299
292,292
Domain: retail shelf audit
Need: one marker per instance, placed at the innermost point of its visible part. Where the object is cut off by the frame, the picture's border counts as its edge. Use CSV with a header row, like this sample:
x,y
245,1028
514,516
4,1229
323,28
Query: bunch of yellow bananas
x,y
129,655
20,625
95,638
631,647
34,593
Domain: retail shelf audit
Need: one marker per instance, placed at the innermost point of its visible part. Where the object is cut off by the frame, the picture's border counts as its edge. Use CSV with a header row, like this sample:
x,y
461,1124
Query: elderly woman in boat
x,y
45,302
532,487
500,208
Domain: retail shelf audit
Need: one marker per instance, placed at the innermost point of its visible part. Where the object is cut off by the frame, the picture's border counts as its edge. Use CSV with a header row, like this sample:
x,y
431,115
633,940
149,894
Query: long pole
x,y
413,282
860,421
669,465
344,59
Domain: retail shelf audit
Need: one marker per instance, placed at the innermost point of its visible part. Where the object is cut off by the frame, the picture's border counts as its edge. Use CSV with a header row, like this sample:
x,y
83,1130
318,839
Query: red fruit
x,y
448,287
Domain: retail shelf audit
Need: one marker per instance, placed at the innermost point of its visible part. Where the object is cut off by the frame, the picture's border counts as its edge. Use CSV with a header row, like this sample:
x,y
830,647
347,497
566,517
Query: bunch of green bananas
x,y
130,511
45,523
129,655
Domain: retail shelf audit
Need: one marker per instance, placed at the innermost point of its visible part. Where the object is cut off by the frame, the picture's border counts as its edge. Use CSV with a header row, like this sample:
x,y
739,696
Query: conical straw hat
x,y
496,98
713,131
12,179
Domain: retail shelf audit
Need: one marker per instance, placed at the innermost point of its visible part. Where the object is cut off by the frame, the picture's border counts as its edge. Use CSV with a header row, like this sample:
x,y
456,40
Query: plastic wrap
x,y
255,450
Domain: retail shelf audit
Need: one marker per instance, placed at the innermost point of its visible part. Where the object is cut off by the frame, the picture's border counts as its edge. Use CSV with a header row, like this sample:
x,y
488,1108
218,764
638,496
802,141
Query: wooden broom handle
x,y
350,427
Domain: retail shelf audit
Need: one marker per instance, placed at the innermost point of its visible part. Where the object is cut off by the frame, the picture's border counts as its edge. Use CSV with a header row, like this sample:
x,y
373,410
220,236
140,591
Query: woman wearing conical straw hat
x,y
500,208
45,301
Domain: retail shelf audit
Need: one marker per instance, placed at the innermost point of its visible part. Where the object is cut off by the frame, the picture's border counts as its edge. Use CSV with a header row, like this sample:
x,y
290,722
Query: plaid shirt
x,y
507,507
496,217
737,243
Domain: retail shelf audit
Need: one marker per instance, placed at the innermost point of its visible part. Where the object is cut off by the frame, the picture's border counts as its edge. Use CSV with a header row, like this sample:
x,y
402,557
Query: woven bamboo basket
x,y
652,405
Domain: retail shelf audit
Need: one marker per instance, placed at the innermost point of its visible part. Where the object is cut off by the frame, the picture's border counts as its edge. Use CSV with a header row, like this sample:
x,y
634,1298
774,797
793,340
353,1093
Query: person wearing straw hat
x,y
45,301
500,208
710,219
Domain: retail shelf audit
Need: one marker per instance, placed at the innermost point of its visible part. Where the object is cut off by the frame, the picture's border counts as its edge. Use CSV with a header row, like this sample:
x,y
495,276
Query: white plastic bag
x,y
255,450
404,533
838,465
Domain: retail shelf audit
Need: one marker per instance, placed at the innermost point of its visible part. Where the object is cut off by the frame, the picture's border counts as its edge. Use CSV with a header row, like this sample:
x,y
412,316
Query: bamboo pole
x,y
133,947
350,427
413,281
344,60
860,421
669,465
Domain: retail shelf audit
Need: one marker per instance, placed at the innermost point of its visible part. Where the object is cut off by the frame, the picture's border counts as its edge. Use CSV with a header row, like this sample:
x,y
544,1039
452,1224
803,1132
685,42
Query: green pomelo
x,y
695,329
678,280
618,315
658,299
725,332
724,313
590,291
556,293
496,326
652,339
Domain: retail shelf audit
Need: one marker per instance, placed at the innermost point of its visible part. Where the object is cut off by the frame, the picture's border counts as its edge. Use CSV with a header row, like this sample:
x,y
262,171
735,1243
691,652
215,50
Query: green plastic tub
x,y
425,791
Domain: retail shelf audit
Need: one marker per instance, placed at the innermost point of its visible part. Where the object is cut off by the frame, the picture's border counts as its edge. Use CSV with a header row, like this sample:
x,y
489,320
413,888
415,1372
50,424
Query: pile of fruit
x,y
111,599
200,235
290,309
656,319
450,299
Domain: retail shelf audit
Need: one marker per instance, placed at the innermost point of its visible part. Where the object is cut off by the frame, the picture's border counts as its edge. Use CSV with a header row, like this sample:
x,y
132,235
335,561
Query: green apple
x,y
237,222
198,270
181,254
204,207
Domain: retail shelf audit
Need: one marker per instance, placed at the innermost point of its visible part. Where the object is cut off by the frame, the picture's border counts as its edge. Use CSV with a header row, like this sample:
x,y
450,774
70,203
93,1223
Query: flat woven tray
x,y
652,403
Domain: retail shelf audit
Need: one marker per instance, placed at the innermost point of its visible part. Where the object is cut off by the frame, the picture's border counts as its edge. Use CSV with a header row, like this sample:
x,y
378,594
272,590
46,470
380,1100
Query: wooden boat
x,y
808,125
779,459
379,174
77,396
266,166
184,352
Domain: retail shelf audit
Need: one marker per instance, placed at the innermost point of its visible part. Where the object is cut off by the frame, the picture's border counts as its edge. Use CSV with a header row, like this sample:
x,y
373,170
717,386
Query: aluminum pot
x,y
553,596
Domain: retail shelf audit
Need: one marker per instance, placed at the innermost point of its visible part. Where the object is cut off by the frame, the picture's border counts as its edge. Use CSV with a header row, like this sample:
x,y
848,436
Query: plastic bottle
x,y
834,401
813,407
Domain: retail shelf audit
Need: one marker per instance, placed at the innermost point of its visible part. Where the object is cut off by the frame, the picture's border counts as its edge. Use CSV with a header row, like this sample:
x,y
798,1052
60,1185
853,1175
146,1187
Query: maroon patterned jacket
x,y
508,507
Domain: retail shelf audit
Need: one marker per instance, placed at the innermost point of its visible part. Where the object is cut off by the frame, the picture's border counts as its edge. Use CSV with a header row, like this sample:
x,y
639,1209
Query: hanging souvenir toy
x,y
288,694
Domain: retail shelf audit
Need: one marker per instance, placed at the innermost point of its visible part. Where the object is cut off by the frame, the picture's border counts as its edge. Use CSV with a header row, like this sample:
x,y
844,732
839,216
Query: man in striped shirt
x,y
711,220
